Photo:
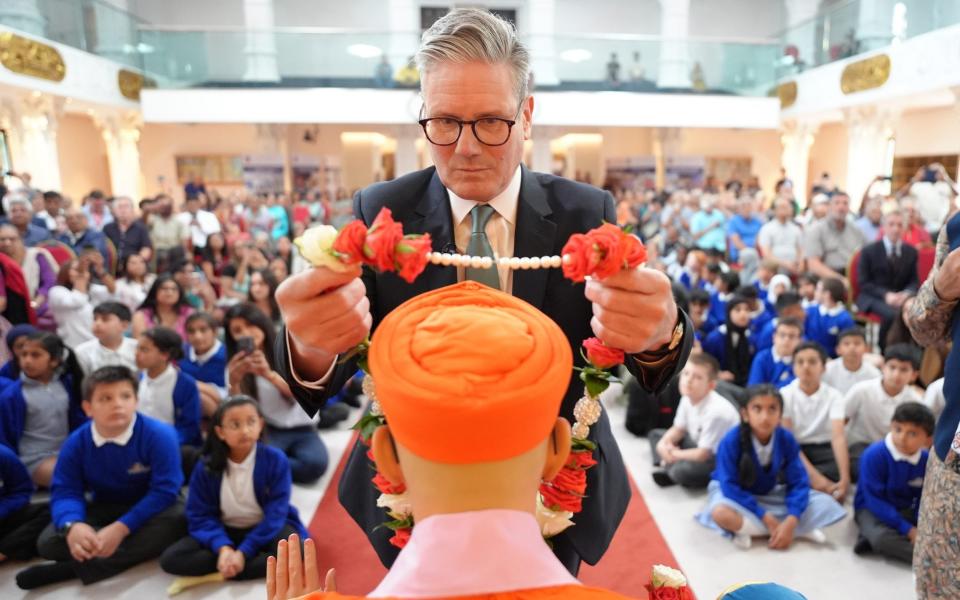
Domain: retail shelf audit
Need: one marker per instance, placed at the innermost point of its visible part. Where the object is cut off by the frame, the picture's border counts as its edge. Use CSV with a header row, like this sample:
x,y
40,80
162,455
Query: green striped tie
x,y
479,245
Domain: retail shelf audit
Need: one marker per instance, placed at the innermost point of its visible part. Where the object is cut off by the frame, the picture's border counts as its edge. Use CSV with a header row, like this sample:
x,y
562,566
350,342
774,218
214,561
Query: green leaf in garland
x,y
396,524
367,424
576,444
595,385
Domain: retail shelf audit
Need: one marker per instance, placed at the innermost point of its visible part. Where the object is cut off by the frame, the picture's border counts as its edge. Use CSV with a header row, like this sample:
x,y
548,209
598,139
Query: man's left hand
x,y
633,310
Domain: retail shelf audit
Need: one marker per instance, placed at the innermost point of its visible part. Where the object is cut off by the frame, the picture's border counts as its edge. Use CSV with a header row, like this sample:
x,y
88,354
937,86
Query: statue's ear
x,y
385,455
558,449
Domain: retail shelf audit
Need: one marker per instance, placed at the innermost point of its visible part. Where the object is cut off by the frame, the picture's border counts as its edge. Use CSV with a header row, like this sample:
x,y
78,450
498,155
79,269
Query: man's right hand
x,y
326,313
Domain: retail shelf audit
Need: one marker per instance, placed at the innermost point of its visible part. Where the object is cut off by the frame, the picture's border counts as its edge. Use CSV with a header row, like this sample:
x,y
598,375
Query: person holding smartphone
x,y
934,192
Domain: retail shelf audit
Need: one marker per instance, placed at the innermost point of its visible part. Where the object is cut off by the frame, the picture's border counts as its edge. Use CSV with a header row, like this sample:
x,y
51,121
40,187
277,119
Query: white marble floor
x,y
711,562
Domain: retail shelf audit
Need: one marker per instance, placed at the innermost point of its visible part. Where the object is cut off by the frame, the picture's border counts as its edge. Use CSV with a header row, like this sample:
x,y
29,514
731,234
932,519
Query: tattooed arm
x,y
930,315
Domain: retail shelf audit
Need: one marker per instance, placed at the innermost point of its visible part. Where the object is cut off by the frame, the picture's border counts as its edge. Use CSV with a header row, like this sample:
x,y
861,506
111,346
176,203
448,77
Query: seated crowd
x,y
139,359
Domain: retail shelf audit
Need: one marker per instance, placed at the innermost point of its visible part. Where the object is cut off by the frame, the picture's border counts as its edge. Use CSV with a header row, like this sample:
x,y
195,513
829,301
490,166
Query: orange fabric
x,y
566,592
468,374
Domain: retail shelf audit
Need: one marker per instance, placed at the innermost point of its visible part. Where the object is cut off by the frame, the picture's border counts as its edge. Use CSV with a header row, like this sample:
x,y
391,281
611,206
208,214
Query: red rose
x,y
559,500
633,250
604,243
411,256
349,242
665,593
600,355
581,459
575,260
385,487
686,593
381,242
401,537
573,481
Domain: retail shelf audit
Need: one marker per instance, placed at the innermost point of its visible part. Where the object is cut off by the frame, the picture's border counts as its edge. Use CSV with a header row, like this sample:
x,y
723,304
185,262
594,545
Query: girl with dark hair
x,y
166,304
72,300
239,506
249,337
40,409
166,393
133,287
263,291
746,498
730,343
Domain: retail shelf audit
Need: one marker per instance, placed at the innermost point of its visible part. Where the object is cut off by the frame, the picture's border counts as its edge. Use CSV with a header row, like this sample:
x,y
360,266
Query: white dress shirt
x,y
120,440
812,415
92,355
155,395
708,421
238,502
200,225
839,378
870,410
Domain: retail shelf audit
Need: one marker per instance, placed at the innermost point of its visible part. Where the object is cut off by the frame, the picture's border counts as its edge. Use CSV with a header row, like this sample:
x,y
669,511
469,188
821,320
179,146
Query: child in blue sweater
x,y
239,501
167,393
775,364
731,344
727,284
20,521
130,465
42,406
746,498
826,319
15,339
206,360
891,479
788,306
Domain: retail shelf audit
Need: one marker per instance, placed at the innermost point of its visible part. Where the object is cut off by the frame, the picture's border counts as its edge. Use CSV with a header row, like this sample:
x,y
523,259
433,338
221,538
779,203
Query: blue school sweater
x,y
686,280
213,371
718,306
785,461
271,486
715,344
15,483
144,473
13,412
186,409
823,327
9,370
888,486
767,370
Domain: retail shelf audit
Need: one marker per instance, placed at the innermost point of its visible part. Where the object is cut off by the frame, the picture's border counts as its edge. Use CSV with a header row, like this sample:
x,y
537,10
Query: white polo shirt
x,y
870,410
708,421
812,415
839,378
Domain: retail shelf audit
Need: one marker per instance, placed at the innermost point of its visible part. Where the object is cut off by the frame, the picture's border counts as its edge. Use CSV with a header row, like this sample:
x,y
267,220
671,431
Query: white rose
x,y
551,522
398,505
664,576
316,245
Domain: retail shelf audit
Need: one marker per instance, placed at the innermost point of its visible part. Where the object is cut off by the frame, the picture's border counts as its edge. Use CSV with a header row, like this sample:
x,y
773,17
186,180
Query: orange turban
x,y
467,374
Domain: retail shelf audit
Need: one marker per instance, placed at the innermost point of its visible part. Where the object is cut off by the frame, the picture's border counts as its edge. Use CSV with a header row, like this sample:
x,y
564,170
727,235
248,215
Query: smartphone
x,y
245,344
930,175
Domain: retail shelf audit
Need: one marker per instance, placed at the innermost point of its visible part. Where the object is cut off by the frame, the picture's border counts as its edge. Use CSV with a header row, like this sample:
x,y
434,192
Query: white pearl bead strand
x,y
485,262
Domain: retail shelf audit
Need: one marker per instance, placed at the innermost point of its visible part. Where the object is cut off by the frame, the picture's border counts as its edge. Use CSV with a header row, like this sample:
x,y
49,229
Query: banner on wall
x,y
263,174
212,168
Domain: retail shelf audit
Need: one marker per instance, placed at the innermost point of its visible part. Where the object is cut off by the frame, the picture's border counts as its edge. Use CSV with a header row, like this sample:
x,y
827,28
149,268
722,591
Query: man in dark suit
x,y
887,274
477,115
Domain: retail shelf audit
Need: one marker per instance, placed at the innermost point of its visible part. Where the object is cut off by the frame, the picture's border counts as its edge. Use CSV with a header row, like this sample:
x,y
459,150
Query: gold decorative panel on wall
x,y
131,83
30,57
865,74
787,93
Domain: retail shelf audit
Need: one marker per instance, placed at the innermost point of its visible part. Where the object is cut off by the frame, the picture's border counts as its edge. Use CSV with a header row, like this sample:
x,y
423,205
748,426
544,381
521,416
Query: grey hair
x,y
475,34
17,198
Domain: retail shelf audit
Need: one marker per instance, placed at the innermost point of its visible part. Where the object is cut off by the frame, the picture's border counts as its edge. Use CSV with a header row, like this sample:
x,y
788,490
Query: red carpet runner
x,y
625,568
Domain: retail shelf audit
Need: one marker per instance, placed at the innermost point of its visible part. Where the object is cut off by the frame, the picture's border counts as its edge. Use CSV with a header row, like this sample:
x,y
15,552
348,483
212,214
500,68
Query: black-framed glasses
x,y
490,131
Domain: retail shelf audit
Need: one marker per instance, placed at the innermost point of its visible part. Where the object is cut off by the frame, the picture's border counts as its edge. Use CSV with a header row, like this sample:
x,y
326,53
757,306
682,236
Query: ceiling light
x,y
364,50
576,55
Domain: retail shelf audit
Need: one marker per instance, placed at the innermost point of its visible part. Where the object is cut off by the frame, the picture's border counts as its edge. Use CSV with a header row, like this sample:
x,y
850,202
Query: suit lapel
x,y
432,215
534,236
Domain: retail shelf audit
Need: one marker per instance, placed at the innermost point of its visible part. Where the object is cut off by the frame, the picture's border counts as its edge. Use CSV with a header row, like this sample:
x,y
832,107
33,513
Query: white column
x,y
874,26
542,27
261,47
674,66
404,30
801,32
39,116
869,129
541,158
406,159
797,137
121,138
666,146
23,15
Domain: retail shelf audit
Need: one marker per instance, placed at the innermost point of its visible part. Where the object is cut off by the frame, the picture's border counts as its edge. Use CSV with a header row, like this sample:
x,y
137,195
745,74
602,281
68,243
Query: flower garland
x,y
667,583
599,253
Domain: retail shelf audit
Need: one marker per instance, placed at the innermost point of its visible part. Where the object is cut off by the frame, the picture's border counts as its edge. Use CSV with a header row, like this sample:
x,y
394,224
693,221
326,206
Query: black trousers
x,y
688,473
188,557
19,531
140,546
821,457
883,539
856,451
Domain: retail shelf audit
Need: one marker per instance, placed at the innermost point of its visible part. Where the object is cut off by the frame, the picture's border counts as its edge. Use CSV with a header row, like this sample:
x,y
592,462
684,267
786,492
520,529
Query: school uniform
x,y
209,367
769,367
20,521
92,355
838,377
823,325
9,371
888,498
691,281
133,478
36,418
779,458
715,345
718,306
247,507
172,397
760,318
704,425
870,409
812,417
